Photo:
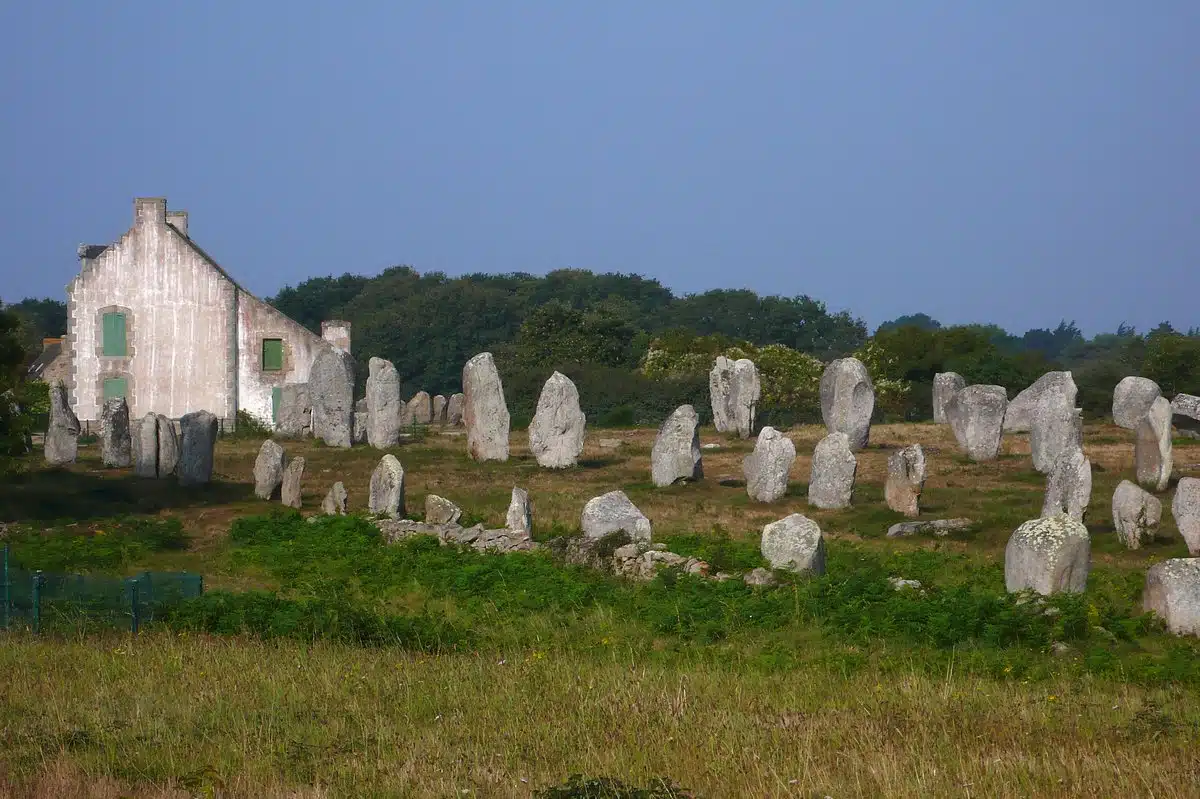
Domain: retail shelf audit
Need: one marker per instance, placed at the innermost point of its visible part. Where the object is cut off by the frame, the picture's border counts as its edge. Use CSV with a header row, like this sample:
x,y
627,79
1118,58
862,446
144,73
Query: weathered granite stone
x,y
335,501
1185,507
1048,555
144,443
1056,430
1153,454
831,484
848,400
1069,486
519,518
199,436
62,435
767,468
1132,399
794,543
268,470
976,415
383,404
735,390
1172,592
454,409
642,561
1185,415
939,527
1019,415
420,408
905,480
759,577
439,409
387,488
115,446
945,386
293,475
613,512
362,420
485,413
557,430
1136,514
439,510
168,447
676,452
331,391
295,411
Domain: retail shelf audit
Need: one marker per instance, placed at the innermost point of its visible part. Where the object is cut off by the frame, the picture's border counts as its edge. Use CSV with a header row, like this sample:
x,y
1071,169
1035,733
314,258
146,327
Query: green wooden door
x,y
115,387
276,399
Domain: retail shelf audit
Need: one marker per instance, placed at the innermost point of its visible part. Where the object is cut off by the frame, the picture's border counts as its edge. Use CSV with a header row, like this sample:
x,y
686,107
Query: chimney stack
x,y
150,210
178,220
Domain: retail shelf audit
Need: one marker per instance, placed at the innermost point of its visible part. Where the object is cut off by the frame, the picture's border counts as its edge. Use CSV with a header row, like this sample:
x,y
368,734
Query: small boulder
x,y
519,518
293,475
1153,454
420,408
1132,399
199,437
1136,514
794,543
115,445
945,386
613,512
268,469
335,501
1185,507
1048,555
676,452
387,488
905,480
831,484
439,510
1172,592
848,400
939,527
557,430
976,415
757,577
1069,486
485,412
767,468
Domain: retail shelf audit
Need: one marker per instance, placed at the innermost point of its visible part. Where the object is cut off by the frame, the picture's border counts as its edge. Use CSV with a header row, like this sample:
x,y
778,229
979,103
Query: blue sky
x,y
1014,162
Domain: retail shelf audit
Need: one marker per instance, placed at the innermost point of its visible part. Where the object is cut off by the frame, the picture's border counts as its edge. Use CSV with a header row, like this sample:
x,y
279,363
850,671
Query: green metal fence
x,y
44,601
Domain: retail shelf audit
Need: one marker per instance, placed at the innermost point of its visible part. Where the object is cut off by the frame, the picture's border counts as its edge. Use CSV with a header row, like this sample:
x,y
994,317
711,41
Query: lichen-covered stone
x,y
557,430
794,543
939,527
1136,514
905,480
976,415
485,412
945,386
1019,413
1172,592
454,410
155,447
420,408
734,389
293,476
1185,507
766,469
439,510
387,488
1056,428
848,400
383,404
1153,453
613,512
295,411
831,484
268,469
439,409
1069,486
115,447
1048,555
1132,399
519,518
676,452
1185,415
331,391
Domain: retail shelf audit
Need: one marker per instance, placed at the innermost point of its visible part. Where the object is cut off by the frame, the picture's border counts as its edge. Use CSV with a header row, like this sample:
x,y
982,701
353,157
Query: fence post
x,y
37,601
7,588
131,584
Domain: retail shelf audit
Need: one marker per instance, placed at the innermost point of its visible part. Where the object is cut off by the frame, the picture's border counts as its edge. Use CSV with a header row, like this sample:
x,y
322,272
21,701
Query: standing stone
x,y
1136,514
295,411
199,437
1132,399
905,480
420,408
1069,486
62,435
767,468
484,411
1172,592
794,543
557,430
145,447
676,453
1185,415
454,409
976,415
168,447
1185,507
387,488
293,475
519,518
735,390
335,501
439,409
115,446
611,513
362,420
1153,453
1048,555
331,389
268,470
945,386
831,484
383,404
1018,418
1056,430
848,400
441,511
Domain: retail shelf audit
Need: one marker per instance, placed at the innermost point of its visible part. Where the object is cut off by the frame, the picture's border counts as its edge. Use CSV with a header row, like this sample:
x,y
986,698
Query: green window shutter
x,y
115,387
276,400
114,334
272,354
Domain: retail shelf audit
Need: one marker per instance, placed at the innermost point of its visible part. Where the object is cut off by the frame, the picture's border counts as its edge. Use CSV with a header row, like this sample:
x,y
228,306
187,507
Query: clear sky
x,y
1015,162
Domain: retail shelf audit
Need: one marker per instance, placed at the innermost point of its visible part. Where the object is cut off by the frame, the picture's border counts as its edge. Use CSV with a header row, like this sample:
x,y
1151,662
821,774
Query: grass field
x,y
323,663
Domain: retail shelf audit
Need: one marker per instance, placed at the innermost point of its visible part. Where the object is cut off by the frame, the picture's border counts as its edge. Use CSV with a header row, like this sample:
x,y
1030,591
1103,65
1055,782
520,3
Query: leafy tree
x,y
920,321
318,299
1173,361
16,397
38,319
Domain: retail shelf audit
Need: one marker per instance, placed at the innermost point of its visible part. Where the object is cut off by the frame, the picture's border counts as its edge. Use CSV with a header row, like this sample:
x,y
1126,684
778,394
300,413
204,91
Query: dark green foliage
x,y
580,787
103,546
38,319
249,428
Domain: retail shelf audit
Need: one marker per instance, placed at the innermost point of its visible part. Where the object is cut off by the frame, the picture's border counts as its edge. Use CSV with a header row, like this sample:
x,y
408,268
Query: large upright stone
x,y
848,400
676,452
1019,415
794,543
945,386
62,435
295,411
454,409
1185,507
1132,400
1185,415
268,469
768,467
1069,486
1048,555
1056,429
735,390
831,484
439,409
387,488
905,480
611,513
383,404
293,476
519,518
1172,592
976,415
198,438
1153,454
331,390
115,446
485,412
557,430
1136,514
155,447
420,408
168,447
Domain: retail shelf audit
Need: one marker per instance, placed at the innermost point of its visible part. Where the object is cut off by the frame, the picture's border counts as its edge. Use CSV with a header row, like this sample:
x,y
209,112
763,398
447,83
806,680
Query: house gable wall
x,y
258,321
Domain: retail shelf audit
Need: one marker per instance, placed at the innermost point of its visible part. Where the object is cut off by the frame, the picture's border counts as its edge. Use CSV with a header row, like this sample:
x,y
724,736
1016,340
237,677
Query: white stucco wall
x,y
257,321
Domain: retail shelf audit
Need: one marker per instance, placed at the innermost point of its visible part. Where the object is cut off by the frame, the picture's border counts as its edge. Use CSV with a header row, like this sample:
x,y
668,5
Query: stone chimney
x,y
150,210
178,220
337,333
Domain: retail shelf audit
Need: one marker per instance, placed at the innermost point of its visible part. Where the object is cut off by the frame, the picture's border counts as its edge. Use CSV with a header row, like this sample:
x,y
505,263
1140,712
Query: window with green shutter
x,y
272,354
115,387
276,400
114,334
